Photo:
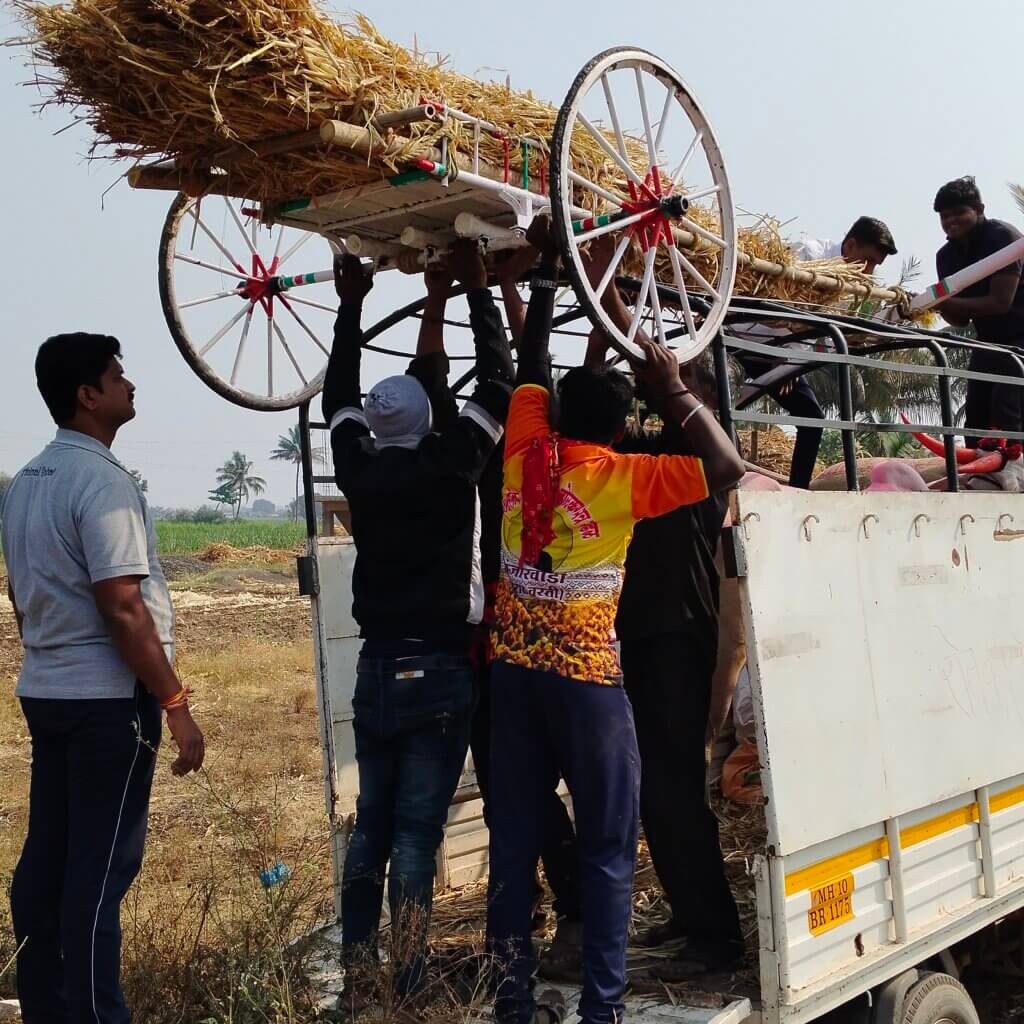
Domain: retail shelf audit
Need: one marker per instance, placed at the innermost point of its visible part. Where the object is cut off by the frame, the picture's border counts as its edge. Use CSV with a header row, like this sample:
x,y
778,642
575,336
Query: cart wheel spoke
x,y
302,323
702,232
228,271
613,116
676,179
241,345
659,320
586,183
292,297
208,298
698,277
645,288
703,193
670,95
288,351
684,298
216,241
652,153
224,330
623,164
613,265
241,227
238,368
654,208
607,229
270,354
295,248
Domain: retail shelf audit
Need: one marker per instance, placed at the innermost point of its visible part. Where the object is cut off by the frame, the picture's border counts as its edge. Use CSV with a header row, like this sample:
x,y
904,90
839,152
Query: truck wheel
x,y
939,999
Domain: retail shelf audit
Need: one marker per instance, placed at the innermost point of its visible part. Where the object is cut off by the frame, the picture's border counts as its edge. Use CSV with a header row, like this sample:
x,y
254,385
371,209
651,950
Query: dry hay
x,y
189,79
222,554
774,450
459,917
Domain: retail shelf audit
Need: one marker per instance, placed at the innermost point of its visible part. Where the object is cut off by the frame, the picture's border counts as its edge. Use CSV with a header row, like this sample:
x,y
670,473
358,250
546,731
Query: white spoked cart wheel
x,y
670,209
234,308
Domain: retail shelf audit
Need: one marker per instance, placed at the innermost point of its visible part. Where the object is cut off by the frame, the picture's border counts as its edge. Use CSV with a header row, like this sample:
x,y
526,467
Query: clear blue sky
x,y
823,112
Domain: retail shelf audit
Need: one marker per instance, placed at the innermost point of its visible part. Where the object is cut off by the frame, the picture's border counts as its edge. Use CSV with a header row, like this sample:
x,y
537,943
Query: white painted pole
x,y
414,238
469,225
370,247
962,279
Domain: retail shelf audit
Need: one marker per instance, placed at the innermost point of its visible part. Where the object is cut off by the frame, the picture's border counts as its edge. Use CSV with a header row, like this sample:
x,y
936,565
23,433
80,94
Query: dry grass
x,y
203,940
203,82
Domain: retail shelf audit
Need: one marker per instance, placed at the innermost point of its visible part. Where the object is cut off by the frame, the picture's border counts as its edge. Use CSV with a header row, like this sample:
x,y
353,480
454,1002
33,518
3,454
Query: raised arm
x,y
490,343
508,272
707,440
352,281
430,365
534,347
464,448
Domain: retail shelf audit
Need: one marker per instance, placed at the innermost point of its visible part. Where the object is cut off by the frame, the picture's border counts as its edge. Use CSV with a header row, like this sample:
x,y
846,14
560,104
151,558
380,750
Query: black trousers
x,y
993,406
92,768
559,853
798,400
668,681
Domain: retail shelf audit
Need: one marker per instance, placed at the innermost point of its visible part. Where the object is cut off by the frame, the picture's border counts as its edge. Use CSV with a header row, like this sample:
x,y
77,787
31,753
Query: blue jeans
x,y
542,726
92,767
412,720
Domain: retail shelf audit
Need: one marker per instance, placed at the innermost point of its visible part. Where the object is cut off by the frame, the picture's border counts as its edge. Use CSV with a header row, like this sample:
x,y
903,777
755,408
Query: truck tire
x,y
938,999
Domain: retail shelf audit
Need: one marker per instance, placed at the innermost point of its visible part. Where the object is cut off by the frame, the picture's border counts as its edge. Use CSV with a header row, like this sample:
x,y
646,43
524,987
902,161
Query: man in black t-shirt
x,y
995,305
667,625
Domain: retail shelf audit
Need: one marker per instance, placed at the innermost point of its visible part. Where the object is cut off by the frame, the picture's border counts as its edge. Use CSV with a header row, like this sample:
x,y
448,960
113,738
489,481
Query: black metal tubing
x,y
307,470
721,364
945,396
845,407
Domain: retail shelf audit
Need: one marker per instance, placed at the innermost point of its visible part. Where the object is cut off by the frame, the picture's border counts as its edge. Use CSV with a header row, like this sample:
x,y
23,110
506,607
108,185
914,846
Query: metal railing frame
x,y
877,339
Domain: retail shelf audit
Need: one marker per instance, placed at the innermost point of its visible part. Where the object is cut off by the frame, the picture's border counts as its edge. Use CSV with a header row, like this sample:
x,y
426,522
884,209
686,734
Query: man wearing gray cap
x,y
417,595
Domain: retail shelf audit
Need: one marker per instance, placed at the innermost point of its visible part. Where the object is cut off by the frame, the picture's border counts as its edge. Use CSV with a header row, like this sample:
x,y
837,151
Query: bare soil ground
x,y
204,942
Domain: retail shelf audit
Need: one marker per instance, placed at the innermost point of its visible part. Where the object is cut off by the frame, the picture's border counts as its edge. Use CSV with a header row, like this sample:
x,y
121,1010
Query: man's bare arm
x,y
431,336
133,631
960,310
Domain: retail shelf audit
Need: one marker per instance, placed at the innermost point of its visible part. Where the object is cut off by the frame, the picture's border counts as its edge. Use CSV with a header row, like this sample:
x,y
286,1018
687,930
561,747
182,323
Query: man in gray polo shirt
x,y
97,625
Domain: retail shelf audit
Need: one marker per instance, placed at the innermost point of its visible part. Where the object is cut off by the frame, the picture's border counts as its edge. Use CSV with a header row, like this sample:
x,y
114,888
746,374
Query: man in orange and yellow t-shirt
x,y
570,504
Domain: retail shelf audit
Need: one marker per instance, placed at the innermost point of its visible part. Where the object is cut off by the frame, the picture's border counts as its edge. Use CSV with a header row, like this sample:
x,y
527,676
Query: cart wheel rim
x,y
659,219
233,303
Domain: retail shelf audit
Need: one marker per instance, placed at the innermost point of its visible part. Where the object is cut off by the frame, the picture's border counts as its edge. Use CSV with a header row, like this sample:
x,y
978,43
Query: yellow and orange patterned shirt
x,y
559,615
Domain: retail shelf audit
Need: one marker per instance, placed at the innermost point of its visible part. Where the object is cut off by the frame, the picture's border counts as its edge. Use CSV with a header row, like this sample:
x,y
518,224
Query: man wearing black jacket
x,y
417,596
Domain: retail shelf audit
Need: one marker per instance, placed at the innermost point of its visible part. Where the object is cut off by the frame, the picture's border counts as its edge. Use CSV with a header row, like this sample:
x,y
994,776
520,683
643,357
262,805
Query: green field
x,y
187,538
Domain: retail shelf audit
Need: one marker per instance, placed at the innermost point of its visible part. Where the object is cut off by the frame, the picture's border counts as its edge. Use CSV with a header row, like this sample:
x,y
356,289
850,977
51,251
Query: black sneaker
x,y
694,962
660,935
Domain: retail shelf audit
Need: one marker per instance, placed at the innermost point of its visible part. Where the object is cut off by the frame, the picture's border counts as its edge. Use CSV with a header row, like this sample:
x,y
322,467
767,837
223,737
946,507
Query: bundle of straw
x,y
194,80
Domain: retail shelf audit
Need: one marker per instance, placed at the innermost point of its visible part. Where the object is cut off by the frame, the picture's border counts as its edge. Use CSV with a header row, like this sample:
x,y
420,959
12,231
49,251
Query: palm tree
x,y
222,494
289,449
235,474
1018,195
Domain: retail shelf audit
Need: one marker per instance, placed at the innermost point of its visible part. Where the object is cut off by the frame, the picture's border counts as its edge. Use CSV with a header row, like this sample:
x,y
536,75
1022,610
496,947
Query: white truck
x,y
887,666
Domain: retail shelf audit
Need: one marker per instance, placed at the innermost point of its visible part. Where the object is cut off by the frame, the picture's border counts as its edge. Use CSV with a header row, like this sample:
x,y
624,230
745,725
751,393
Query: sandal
x,y
551,1007
563,959
693,963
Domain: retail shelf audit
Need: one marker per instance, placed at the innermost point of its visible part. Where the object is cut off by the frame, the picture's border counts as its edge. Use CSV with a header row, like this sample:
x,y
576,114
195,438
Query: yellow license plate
x,y
831,905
